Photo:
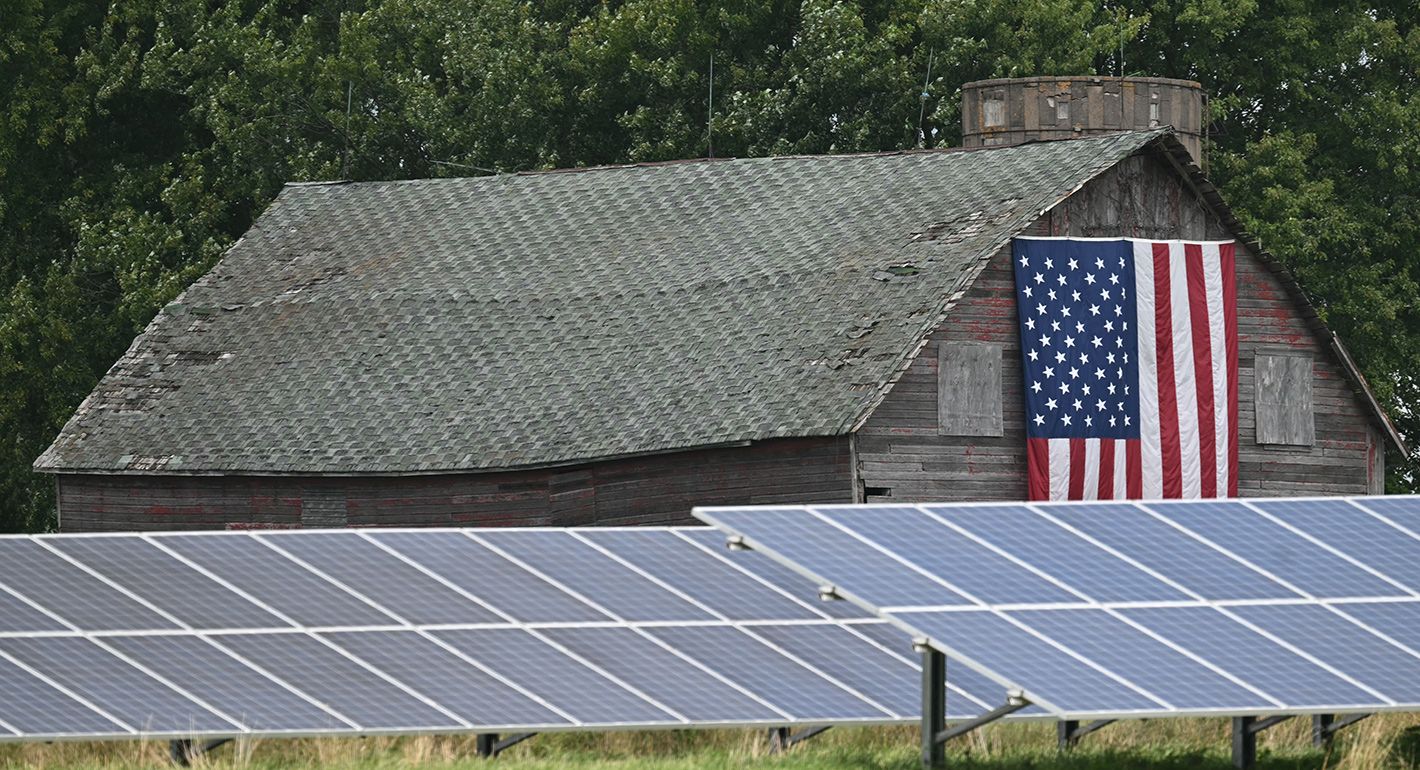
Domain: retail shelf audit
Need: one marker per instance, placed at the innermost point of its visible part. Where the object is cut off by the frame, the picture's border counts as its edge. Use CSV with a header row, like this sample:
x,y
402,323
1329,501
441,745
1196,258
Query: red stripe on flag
x,y
1038,469
1106,485
1228,256
1077,470
1172,470
1202,369
1134,462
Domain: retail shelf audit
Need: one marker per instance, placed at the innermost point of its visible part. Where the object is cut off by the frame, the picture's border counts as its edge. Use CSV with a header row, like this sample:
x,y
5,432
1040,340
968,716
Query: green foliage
x,y
139,139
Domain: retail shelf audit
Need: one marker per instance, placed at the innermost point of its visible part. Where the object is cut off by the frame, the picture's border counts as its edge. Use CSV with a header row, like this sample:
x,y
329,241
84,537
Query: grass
x,y
1389,742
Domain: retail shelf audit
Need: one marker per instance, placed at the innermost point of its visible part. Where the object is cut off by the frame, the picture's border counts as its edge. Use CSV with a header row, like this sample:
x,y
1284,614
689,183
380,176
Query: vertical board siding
x,y
656,489
997,113
900,449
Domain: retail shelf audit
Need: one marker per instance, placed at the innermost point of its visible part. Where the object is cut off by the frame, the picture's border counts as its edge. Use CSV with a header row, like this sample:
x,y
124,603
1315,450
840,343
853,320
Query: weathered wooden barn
x,y
615,345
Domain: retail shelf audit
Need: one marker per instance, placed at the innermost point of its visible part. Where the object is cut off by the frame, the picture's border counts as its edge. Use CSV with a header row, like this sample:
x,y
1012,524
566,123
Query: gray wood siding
x,y
900,449
656,489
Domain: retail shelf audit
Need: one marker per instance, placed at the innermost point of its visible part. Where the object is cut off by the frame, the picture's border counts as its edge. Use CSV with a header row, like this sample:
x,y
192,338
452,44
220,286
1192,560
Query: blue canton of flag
x,y
1079,337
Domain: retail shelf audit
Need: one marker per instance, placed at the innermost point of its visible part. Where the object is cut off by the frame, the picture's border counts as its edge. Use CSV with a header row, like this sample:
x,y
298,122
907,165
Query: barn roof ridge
x,y
634,165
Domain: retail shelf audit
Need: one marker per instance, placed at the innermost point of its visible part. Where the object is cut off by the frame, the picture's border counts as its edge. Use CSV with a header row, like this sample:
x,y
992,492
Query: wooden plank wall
x,y
902,457
656,489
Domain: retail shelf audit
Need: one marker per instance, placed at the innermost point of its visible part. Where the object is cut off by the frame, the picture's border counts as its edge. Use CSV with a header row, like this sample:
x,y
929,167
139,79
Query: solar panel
x,y
475,694
1281,552
1329,633
1260,660
16,615
280,633
1354,532
924,543
588,695
27,567
763,670
878,577
215,676
638,660
497,581
357,692
250,566
1110,609
772,572
31,706
1147,662
1090,569
853,659
714,582
397,586
130,695
609,585
1173,554
165,582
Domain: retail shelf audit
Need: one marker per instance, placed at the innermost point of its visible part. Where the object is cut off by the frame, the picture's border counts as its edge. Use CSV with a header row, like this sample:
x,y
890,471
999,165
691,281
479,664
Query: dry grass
x,y
1381,743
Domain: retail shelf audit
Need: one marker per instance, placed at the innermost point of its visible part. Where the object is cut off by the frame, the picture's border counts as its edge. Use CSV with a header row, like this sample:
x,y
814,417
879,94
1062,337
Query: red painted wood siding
x,y
656,489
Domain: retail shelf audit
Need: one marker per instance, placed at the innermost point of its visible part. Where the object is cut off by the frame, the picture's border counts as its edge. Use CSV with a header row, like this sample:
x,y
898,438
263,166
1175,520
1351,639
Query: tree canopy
x,y
138,141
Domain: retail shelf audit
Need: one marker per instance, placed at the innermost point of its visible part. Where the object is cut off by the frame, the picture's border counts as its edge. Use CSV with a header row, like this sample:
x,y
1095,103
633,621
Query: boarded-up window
x,y
1284,400
969,389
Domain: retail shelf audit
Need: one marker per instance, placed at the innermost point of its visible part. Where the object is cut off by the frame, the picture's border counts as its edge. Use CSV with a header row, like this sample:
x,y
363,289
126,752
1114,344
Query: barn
x,y
614,345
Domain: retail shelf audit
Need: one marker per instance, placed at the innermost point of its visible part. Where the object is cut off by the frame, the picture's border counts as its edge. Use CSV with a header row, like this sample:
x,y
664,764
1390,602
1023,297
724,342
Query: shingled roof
x,y
535,319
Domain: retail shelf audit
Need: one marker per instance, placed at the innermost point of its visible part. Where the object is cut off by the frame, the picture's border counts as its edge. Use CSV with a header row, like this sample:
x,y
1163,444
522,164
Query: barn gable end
x,y
904,455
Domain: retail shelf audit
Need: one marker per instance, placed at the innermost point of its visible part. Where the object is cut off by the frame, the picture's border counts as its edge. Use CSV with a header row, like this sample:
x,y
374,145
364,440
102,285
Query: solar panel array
x,y
410,631
1108,610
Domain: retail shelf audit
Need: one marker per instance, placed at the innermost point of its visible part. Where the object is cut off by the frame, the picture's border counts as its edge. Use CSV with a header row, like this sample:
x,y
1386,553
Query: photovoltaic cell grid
x,y
411,631
1135,609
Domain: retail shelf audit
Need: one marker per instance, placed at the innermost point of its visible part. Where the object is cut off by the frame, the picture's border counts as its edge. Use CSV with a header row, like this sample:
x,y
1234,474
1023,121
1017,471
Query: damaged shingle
x,y
463,324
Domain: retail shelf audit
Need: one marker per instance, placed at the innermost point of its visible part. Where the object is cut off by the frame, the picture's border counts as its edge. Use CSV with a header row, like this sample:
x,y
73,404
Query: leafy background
x,y
138,141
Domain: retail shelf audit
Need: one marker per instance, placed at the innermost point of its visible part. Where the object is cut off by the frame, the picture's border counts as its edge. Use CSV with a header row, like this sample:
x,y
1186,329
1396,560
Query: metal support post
x,y
1325,727
934,706
1069,732
488,745
780,739
1244,743
1321,730
1245,730
935,733
182,752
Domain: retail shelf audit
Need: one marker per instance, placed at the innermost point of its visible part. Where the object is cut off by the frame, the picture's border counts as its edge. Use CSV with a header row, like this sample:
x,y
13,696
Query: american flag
x,y
1129,349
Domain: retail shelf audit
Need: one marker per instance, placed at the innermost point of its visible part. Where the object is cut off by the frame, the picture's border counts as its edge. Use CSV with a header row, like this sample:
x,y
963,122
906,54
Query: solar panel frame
x,y
714,516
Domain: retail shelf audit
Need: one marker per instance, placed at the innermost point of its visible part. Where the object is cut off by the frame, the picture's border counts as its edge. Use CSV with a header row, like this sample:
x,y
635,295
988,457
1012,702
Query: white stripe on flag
x,y
1218,346
1092,469
1059,468
1184,377
1121,469
1151,451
